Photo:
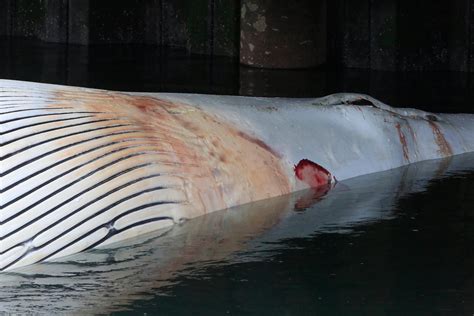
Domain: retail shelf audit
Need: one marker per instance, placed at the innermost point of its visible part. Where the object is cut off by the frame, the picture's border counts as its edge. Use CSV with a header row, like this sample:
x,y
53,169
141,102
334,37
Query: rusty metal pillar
x,y
282,33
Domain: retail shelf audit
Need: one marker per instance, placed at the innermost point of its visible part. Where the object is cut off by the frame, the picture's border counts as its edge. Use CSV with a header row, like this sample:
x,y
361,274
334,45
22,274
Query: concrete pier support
x,y
5,17
208,27
282,33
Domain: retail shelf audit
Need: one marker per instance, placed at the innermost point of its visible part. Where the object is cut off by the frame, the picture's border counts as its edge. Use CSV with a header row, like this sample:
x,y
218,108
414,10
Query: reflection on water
x,y
393,242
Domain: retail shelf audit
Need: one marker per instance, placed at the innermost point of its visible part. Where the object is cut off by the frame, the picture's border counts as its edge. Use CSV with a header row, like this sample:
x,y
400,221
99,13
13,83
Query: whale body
x,y
137,268
83,168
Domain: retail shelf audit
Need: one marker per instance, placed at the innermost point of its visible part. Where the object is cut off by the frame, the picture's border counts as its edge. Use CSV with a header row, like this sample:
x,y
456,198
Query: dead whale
x,y
135,269
83,168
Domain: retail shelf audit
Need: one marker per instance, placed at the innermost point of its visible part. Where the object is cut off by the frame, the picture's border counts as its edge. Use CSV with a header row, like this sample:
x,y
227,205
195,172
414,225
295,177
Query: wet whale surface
x,y
397,241
84,168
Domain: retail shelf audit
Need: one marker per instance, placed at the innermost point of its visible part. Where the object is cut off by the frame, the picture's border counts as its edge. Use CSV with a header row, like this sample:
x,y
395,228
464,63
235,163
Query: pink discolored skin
x,y
312,174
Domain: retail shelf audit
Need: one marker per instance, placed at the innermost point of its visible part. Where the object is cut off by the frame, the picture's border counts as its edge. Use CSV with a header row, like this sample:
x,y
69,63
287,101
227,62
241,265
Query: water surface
x,y
397,242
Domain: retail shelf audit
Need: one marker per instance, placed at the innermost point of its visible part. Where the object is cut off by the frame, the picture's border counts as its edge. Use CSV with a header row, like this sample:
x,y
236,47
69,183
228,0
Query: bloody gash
x,y
83,168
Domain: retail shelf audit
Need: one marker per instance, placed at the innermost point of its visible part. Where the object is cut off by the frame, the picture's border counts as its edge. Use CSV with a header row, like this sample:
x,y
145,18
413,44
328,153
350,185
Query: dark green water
x,y
394,243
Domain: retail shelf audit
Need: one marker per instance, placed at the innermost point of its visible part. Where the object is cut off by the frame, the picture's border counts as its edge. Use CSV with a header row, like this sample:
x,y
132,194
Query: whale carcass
x,y
133,270
83,168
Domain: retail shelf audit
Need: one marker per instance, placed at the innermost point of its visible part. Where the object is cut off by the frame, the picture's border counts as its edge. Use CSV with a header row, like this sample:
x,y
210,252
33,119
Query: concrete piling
x,y
283,34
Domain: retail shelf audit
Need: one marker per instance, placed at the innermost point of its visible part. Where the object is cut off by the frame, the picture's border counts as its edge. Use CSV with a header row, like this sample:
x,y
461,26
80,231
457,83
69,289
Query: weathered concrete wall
x,y
27,18
185,24
283,34
226,27
383,35
46,20
471,37
201,26
5,17
407,35
55,23
402,35
152,26
117,21
78,23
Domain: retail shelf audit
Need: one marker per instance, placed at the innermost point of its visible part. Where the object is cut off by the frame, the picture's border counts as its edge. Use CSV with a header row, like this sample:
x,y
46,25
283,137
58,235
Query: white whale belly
x,y
82,168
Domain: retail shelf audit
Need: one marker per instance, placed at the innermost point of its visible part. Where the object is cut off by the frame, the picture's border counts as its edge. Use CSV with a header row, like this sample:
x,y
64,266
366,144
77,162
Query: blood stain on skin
x,y
403,141
312,174
444,147
259,143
